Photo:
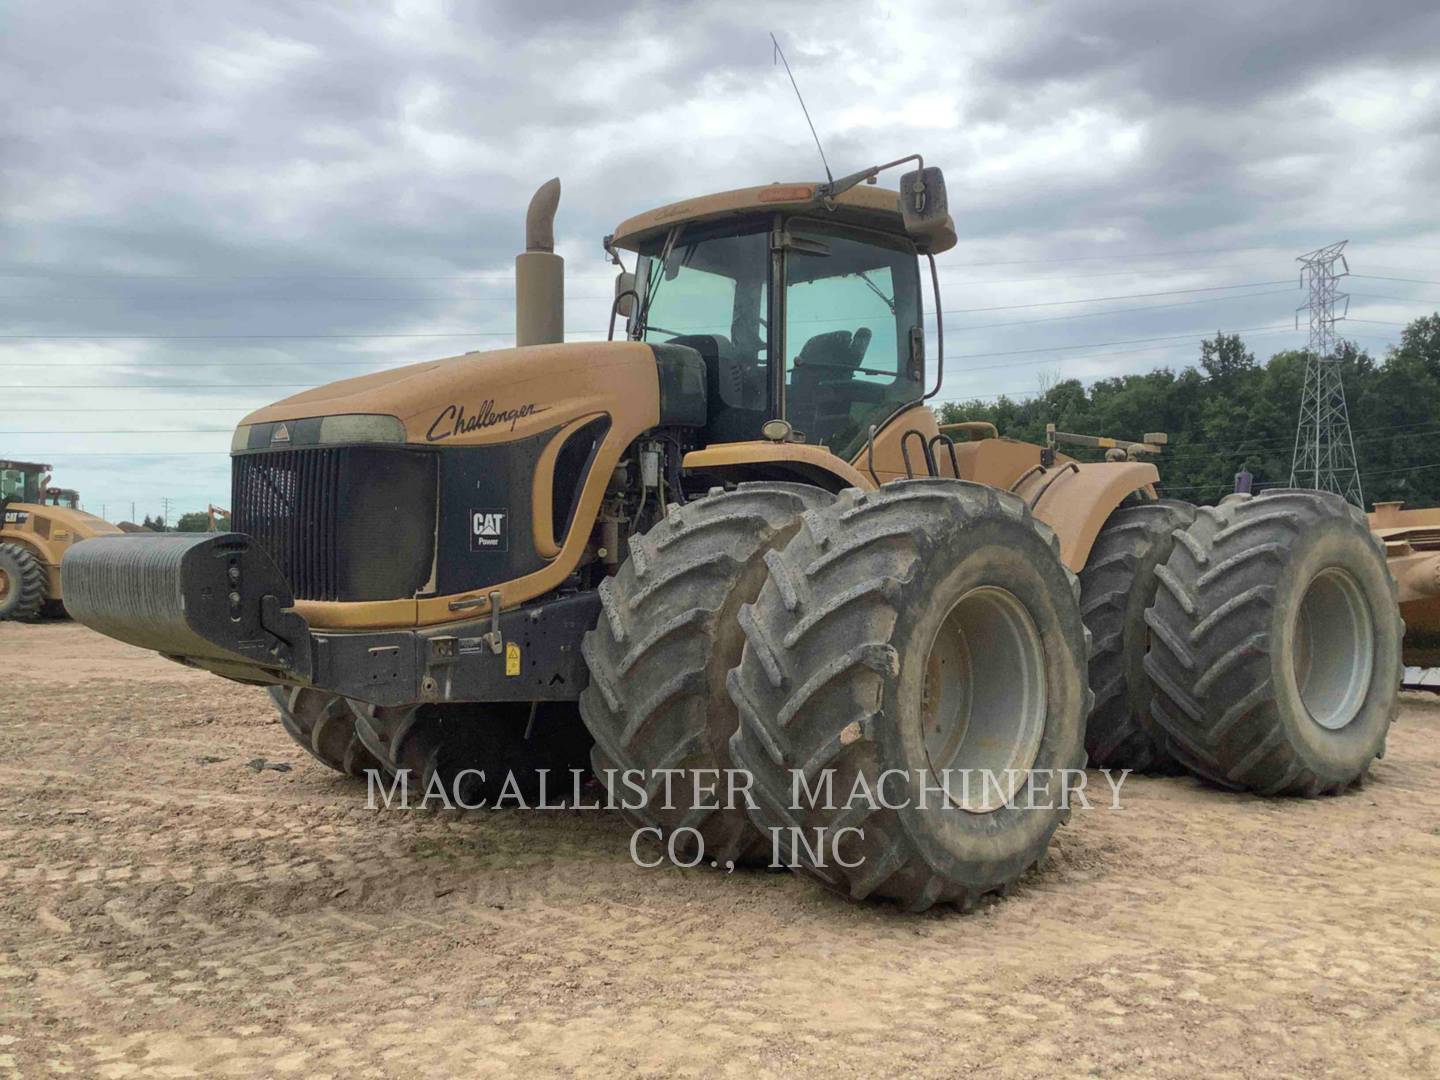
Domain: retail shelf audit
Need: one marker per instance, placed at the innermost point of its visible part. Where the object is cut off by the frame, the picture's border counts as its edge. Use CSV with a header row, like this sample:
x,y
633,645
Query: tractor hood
x,y
474,399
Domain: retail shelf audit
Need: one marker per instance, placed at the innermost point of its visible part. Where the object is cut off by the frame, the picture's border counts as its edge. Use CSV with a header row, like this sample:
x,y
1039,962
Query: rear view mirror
x,y
624,293
923,204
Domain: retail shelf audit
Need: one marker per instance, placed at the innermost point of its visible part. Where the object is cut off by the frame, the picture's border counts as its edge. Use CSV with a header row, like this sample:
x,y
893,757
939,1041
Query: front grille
x,y
341,523
286,500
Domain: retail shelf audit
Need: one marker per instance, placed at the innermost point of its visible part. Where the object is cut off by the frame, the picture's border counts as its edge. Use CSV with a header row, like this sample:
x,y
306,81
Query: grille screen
x,y
342,523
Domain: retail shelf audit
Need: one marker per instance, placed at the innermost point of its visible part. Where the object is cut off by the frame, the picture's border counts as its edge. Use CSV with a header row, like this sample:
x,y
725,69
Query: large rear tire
x,y
1117,584
1275,645
323,724
22,583
903,638
660,653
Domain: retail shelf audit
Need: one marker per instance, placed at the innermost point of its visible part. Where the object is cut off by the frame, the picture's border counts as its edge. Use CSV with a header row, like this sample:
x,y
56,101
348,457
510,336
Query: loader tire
x,y
906,637
659,655
1275,644
323,724
480,755
1116,586
22,583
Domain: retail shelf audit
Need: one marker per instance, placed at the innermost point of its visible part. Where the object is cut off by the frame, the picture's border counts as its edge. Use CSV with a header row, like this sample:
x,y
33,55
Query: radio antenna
x,y
779,54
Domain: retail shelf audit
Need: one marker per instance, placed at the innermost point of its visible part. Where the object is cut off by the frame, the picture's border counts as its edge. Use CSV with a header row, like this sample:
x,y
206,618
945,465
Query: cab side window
x,y
850,305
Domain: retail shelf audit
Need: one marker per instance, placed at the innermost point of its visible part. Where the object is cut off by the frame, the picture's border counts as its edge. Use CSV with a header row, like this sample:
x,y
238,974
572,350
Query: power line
x,y
1118,311
126,431
1417,300
506,333
129,454
161,386
1121,296
311,385
263,337
1365,473
1126,255
979,326
962,356
1379,277
285,296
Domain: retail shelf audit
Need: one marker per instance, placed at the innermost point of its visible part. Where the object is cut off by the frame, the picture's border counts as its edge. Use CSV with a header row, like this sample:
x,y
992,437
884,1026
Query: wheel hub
x,y
1334,650
984,704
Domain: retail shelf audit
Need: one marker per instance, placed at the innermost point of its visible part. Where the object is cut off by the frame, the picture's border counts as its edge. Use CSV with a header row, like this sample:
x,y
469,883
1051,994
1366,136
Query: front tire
x,y
660,653
477,754
22,583
1275,646
324,726
906,637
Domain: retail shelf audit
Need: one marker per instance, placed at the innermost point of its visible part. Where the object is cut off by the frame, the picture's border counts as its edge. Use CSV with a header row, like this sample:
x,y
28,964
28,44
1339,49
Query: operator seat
x,y
823,384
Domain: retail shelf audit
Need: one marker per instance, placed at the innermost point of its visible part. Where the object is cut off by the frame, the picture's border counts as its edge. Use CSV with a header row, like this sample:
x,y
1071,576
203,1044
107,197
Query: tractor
x,y
736,539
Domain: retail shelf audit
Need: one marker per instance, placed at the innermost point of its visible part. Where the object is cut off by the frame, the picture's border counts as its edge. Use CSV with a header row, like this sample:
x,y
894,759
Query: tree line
x,y
1232,412
198,521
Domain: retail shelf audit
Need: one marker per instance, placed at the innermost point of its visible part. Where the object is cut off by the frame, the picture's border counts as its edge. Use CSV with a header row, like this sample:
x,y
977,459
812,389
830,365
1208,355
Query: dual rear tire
x,y
917,655
884,643
1275,644
1117,586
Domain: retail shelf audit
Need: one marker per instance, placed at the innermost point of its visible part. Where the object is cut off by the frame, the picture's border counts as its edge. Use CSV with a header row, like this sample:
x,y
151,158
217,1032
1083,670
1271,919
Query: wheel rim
x,y
984,705
1334,649
4,585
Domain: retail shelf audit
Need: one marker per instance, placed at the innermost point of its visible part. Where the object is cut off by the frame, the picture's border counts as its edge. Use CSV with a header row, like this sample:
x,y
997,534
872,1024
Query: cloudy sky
x,y
205,207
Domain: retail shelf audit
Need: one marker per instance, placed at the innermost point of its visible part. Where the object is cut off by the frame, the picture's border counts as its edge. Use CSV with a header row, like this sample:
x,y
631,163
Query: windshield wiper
x,y
653,282
888,301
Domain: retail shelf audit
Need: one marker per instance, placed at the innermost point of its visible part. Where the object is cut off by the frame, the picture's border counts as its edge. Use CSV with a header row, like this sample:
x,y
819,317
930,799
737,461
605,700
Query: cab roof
x,y
864,204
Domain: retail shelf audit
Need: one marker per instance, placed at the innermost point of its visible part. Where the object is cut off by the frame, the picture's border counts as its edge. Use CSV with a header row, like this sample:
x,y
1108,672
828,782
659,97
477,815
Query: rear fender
x,y
1074,498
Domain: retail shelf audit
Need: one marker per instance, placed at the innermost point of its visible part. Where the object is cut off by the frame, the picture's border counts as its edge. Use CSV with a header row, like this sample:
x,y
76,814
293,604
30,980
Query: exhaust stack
x,y
540,273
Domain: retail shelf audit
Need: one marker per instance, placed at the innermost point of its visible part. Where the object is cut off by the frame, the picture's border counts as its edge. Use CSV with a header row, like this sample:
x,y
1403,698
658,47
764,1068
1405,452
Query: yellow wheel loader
x,y
38,524
1412,550
740,541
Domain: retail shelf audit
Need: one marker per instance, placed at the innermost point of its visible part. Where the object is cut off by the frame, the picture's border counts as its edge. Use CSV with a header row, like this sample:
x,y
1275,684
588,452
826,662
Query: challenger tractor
x,y
738,541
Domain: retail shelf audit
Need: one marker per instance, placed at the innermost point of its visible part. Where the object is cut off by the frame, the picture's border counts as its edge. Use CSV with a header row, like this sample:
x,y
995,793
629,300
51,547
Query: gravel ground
x,y
168,910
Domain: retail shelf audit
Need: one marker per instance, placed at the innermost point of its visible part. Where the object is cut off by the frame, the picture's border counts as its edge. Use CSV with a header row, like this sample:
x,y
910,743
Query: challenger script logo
x,y
487,530
454,421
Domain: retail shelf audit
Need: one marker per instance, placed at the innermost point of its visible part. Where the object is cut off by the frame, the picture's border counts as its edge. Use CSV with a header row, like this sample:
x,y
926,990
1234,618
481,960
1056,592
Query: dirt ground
x,y
168,910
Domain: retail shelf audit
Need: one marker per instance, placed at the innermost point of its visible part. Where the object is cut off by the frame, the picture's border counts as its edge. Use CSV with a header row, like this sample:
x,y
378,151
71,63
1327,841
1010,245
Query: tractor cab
x,y
804,300
23,481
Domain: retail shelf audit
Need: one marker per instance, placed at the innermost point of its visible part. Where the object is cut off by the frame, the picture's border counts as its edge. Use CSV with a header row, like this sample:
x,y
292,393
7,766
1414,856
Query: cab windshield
x,y
710,291
19,484
850,339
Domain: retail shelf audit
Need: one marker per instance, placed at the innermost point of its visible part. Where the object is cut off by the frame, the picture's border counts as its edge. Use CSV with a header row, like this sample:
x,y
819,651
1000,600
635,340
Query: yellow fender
x,y
1074,498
